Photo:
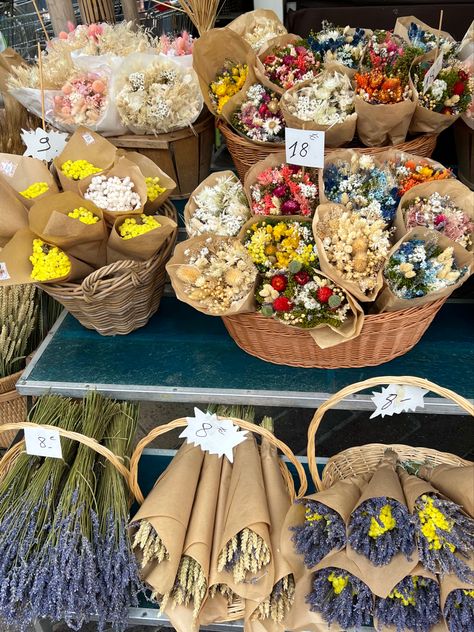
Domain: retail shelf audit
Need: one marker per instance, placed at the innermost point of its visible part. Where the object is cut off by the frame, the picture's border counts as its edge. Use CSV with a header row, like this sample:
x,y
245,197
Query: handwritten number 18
x,y
303,151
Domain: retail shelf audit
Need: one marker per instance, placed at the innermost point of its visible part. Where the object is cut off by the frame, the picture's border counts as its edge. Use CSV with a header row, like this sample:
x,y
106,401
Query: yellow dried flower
x,y
153,188
135,226
49,262
83,215
78,169
35,190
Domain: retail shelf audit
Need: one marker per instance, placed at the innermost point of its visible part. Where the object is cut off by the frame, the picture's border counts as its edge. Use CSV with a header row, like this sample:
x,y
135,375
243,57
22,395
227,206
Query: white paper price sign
x,y
213,435
432,73
43,145
396,398
304,147
43,442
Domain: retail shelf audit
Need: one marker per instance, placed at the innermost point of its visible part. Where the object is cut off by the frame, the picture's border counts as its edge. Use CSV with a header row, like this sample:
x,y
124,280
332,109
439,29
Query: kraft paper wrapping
x,y
329,269
454,482
49,220
424,120
150,169
413,488
403,24
247,507
382,579
335,135
13,214
389,302
210,53
22,171
448,583
247,22
84,144
244,305
122,168
142,247
15,261
276,42
199,536
383,124
460,194
168,509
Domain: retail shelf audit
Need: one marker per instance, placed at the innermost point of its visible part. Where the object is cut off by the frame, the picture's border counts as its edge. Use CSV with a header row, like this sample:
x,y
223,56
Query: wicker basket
x,y
12,407
364,459
122,296
235,610
245,153
383,337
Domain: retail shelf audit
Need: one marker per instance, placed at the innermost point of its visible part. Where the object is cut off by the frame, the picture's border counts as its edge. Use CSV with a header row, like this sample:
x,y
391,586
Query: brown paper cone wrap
x,y
13,214
335,135
403,24
424,120
413,488
460,194
383,124
389,302
247,507
150,169
276,42
235,102
100,153
330,270
210,53
15,256
456,483
168,509
247,22
49,220
142,247
122,168
245,305
448,583
25,172
191,205
382,579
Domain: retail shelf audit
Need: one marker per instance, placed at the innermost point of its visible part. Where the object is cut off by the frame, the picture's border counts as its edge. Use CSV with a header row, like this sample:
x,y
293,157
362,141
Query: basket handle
x,y
359,386
245,425
8,457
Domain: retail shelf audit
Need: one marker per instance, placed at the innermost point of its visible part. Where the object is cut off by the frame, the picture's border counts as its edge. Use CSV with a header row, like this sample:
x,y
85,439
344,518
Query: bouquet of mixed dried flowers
x,y
83,100
411,170
288,63
258,27
259,117
227,82
450,93
177,46
343,45
422,36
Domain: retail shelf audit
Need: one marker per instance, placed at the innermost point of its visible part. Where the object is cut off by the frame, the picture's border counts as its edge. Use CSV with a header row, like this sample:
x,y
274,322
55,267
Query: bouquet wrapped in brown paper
x,y
73,224
215,275
28,259
215,56
119,191
161,523
315,526
417,33
30,178
258,27
13,213
456,483
440,266
383,124
381,535
184,601
86,154
159,185
138,238
457,601
446,206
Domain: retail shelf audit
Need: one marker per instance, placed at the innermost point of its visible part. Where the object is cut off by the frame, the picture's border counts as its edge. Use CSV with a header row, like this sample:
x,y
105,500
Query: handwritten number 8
x,y
42,442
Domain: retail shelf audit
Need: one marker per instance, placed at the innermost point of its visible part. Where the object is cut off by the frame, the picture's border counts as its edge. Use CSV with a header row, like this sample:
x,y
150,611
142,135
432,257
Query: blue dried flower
x,y
459,610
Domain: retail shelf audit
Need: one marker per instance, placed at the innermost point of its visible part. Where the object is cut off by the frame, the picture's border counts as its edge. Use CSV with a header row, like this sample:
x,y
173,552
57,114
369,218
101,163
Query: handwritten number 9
x,y
44,140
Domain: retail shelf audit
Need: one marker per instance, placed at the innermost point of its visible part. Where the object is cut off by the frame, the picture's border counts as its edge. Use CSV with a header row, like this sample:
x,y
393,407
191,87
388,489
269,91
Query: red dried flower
x,y
302,277
458,87
279,282
282,304
323,294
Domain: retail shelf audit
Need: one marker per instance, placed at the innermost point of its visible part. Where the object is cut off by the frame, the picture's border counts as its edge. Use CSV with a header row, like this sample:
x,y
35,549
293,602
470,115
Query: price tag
x,y
432,73
395,399
43,145
88,139
8,168
4,276
304,147
213,435
43,442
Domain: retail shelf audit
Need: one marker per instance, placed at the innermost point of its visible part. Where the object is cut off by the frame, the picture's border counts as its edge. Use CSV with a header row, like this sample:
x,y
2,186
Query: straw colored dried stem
x,y
246,552
190,585
279,602
150,544
202,13
18,314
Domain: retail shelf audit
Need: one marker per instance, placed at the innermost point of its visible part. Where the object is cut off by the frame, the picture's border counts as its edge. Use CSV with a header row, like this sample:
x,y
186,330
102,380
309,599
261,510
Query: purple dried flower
x,y
322,531
412,605
341,598
380,528
459,610
290,207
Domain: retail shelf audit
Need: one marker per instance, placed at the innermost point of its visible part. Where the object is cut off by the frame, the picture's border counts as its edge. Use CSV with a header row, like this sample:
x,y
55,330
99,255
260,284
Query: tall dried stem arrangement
x,y
18,314
202,13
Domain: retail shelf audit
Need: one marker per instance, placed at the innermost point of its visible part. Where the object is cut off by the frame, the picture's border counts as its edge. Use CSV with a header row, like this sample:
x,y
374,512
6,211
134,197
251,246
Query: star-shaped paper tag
x,y
213,435
397,398
42,144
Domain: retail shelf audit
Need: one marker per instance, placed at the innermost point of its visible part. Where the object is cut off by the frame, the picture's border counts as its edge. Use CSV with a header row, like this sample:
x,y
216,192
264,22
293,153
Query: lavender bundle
x,y
445,535
414,604
459,610
322,531
341,598
380,528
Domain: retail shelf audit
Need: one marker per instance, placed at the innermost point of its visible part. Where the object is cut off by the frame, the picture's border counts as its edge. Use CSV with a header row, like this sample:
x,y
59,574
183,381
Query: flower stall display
x,y
325,103
257,114
287,61
216,275
384,103
218,206
274,187
449,96
138,237
425,37
29,179
156,95
342,46
258,27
